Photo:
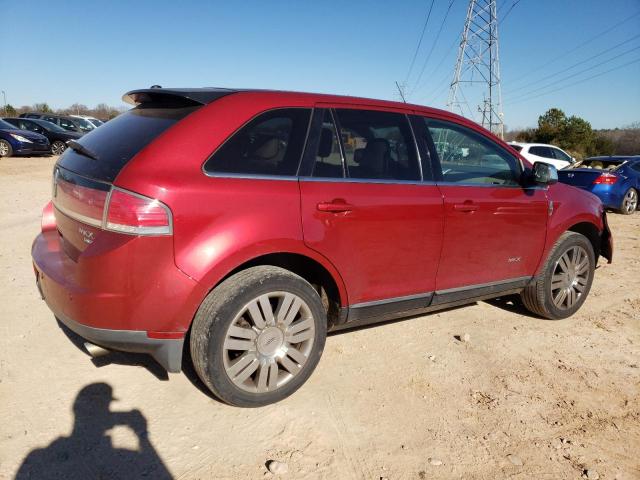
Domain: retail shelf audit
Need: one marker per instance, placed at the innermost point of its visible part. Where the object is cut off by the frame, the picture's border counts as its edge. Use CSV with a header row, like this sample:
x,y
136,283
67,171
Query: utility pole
x,y
477,75
5,102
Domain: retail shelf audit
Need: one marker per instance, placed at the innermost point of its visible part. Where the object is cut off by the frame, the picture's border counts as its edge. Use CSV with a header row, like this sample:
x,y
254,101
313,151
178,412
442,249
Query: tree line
x,y
576,136
102,111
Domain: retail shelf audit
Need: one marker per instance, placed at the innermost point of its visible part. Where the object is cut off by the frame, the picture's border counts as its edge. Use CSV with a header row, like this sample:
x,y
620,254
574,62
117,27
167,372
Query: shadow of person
x,y
88,453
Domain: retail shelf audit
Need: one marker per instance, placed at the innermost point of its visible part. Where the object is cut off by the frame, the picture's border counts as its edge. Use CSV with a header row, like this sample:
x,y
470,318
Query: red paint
x,y
377,241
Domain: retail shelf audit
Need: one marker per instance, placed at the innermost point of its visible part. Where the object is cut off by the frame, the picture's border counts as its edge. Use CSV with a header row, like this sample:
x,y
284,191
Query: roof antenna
x,y
401,92
156,86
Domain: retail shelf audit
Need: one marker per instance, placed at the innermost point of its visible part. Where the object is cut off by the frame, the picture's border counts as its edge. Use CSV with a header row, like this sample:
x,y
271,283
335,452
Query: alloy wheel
x,y
268,342
58,148
630,202
4,149
570,277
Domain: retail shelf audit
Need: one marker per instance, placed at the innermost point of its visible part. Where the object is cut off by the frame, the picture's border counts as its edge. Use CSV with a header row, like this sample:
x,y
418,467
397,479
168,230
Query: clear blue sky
x,y
92,52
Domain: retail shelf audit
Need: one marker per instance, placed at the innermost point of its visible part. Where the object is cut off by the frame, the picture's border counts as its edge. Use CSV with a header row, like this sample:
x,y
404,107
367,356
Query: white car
x,y
541,152
92,120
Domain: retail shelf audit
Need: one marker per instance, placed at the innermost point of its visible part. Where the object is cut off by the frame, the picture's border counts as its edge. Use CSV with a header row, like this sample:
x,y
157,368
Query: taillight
x,y
48,218
136,214
606,179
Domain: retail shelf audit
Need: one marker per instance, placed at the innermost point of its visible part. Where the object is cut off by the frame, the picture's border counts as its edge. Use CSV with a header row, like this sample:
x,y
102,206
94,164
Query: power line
x,y
589,40
568,77
516,2
415,54
577,64
433,45
637,60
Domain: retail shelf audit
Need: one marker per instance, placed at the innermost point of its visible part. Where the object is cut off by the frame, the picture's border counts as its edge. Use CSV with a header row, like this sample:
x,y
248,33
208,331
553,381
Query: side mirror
x,y
544,173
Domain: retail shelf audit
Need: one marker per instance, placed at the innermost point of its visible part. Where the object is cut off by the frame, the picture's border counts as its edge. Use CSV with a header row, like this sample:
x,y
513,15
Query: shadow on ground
x,y
88,453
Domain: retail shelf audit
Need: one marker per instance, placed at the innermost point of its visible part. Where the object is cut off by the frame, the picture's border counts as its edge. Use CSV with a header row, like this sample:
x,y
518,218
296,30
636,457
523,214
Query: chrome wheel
x,y
268,342
58,148
570,277
4,149
630,201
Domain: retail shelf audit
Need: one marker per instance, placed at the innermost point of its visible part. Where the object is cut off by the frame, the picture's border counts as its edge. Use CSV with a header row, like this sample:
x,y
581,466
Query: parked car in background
x,y
615,180
14,141
541,152
92,120
58,136
70,124
250,223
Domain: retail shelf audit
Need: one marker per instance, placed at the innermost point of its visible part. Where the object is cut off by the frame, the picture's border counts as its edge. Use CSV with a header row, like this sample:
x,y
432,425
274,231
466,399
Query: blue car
x,y
616,180
21,142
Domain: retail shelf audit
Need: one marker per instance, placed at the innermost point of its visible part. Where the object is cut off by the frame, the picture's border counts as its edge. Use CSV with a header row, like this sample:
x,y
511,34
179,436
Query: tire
x,y
248,358
5,149
629,202
544,295
58,147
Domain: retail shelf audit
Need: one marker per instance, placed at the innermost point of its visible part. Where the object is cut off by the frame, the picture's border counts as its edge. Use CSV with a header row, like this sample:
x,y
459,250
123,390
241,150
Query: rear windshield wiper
x,y
81,149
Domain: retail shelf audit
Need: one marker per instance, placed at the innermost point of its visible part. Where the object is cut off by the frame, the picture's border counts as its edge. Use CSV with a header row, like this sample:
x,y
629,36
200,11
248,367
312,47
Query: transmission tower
x,y
476,80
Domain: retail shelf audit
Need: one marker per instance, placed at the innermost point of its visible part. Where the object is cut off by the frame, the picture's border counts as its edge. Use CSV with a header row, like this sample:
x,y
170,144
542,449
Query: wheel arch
x,y
592,233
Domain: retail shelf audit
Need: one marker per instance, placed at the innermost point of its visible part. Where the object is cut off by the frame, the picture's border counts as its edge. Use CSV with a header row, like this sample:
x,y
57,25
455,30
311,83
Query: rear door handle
x,y
334,207
467,206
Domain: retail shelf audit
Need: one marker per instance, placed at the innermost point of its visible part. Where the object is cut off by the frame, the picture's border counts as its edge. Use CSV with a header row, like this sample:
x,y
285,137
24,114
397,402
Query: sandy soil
x,y
524,398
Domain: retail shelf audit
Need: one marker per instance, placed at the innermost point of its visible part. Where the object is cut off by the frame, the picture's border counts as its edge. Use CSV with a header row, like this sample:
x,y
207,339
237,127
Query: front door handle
x,y
466,207
334,207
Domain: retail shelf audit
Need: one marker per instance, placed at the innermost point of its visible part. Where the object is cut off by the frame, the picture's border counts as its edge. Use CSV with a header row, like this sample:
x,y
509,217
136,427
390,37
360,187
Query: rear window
x,y
120,139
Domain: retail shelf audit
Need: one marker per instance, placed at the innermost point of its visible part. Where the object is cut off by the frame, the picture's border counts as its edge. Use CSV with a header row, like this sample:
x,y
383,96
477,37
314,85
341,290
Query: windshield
x,y
49,126
96,122
4,124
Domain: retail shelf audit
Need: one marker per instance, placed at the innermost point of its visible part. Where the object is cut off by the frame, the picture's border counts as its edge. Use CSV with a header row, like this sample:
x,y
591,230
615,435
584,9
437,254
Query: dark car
x,y
58,136
21,142
71,124
243,225
615,180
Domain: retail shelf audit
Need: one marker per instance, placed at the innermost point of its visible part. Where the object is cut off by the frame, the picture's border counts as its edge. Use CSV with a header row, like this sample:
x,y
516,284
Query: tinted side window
x,y
517,147
544,152
560,155
328,162
378,145
271,144
52,120
468,157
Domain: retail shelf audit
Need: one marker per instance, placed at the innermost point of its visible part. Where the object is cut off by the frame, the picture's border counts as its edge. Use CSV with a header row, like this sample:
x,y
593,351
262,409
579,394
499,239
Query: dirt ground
x,y
524,398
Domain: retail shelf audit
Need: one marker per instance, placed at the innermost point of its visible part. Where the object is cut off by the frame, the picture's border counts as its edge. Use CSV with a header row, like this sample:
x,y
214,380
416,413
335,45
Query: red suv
x,y
250,223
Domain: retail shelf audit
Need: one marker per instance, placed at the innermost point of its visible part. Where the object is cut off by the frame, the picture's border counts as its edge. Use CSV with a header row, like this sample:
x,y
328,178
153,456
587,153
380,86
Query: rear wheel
x,y
629,202
5,149
258,336
58,147
565,281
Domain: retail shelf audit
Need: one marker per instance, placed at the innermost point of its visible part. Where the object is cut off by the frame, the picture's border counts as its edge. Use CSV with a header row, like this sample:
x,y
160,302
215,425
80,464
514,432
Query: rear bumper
x,y
129,297
167,352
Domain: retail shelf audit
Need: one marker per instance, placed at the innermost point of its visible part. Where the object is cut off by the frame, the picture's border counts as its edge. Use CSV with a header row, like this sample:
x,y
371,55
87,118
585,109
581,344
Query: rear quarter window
x,y
119,140
271,144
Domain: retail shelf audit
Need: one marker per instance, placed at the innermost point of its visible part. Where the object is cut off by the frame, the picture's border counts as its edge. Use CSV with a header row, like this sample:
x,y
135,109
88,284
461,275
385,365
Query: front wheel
x,y
258,336
629,202
564,283
5,149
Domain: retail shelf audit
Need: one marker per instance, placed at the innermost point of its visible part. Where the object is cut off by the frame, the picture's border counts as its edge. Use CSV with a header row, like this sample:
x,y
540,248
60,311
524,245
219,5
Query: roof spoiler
x,y
187,96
